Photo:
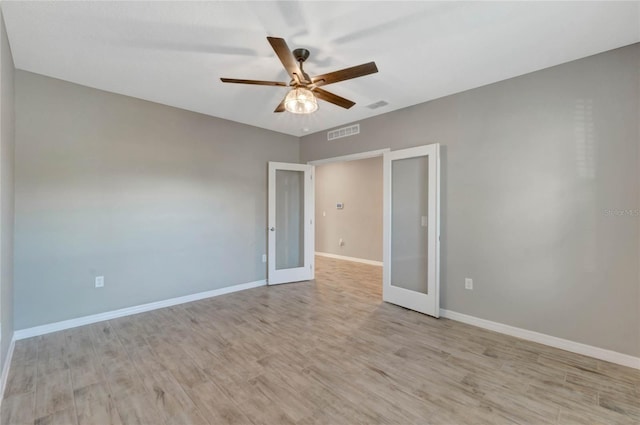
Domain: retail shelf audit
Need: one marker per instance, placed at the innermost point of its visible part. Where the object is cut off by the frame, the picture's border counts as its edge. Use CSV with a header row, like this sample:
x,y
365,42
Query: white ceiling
x,y
174,52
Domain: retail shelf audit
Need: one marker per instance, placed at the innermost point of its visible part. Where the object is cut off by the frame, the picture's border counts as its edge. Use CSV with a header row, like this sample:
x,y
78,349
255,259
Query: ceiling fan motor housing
x,y
301,55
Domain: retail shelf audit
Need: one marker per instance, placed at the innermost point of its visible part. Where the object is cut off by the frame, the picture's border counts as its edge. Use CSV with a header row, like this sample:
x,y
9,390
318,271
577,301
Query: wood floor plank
x,y
78,344
85,370
26,351
625,405
263,411
590,379
94,405
619,372
187,417
322,352
563,395
123,378
138,409
170,397
52,353
587,415
61,417
216,406
53,393
186,372
18,409
22,378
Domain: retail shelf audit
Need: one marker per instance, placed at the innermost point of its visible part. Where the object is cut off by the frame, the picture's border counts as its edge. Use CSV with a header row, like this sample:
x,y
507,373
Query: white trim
x,y
310,203
563,344
5,368
352,157
427,303
100,317
345,258
306,272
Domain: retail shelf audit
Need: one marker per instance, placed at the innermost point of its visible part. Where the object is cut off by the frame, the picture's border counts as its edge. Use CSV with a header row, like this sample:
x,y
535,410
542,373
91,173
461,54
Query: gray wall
x,y
539,196
161,201
359,185
7,144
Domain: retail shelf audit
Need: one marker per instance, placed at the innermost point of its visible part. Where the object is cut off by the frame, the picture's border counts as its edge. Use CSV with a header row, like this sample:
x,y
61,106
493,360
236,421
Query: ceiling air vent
x,y
378,104
339,133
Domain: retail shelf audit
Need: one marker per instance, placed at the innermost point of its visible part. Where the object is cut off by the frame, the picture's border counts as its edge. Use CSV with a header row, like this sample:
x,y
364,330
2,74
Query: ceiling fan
x,y
301,99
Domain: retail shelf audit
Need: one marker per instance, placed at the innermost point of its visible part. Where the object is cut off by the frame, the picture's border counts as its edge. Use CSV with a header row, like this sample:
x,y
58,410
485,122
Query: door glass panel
x,y
409,217
289,219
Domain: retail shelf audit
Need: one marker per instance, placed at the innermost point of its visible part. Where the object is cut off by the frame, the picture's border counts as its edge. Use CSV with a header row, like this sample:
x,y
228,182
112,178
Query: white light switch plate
x,y
468,283
99,281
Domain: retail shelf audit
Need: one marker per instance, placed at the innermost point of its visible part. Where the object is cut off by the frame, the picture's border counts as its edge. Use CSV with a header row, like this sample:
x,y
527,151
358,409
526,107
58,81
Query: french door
x,y
290,223
411,234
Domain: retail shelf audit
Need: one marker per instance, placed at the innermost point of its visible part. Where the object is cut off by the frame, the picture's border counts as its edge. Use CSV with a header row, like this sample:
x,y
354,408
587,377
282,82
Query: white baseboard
x,y
100,317
563,344
5,369
345,258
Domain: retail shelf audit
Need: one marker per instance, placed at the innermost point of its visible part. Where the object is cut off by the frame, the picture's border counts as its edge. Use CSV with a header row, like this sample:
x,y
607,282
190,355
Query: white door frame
x,y
352,157
435,263
307,271
425,303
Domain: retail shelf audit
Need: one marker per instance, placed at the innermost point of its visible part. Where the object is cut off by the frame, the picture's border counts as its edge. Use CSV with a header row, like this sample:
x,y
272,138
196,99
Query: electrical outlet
x,y
340,242
99,281
264,258
468,283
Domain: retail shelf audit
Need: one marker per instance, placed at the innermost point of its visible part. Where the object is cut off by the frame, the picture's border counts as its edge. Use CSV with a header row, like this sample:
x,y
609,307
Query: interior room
x,y
348,210
300,212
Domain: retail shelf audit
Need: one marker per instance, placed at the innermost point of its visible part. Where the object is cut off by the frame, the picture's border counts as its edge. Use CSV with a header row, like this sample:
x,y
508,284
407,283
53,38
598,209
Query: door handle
x,y
273,229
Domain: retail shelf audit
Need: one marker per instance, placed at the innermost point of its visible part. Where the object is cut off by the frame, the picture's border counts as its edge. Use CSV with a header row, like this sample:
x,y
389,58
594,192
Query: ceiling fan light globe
x,y
300,101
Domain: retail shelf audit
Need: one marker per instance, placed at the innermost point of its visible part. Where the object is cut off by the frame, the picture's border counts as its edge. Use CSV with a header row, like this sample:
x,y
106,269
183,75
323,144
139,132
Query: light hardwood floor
x,y
323,352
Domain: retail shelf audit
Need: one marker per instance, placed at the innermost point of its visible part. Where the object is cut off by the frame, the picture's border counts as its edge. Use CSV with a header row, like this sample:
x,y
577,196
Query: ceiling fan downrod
x,y
302,55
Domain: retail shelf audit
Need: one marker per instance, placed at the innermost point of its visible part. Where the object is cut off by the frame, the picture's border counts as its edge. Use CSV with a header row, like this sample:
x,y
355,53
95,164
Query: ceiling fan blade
x,y
280,107
255,82
345,74
286,57
333,98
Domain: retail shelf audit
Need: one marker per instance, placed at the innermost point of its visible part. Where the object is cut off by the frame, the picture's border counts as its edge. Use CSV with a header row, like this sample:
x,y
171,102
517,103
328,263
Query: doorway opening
x,y
410,219
349,218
